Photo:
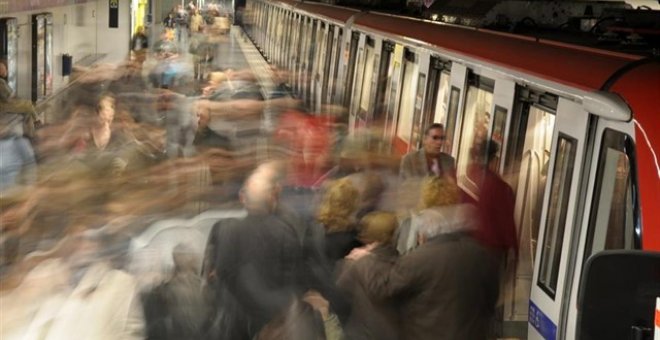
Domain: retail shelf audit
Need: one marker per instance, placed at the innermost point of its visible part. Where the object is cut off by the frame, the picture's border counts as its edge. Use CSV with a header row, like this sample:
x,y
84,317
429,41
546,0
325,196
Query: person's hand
x,y
318,302
358,253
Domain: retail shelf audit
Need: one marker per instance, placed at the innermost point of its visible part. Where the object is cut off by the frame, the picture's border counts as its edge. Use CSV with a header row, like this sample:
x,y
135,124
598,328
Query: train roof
x,y
341,14
583,68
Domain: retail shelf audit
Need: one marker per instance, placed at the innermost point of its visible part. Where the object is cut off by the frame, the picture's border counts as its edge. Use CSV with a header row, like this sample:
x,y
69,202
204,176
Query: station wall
x,y
81,30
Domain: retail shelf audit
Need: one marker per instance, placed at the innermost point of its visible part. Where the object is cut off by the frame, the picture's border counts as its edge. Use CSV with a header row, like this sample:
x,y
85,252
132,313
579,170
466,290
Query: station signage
x,y
113,10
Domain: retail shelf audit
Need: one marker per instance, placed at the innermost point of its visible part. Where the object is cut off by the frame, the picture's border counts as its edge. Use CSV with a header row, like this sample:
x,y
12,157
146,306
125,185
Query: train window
x,y
42,56
497,135
452,114
614,212
476,122
553,239
338,42
350,66
327,62
418,120
407,101
355,100
437,94
367,81
442,101
381,82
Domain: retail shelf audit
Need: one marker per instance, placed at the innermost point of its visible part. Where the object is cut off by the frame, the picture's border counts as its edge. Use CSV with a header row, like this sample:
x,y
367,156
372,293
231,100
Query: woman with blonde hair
x,y
436,192
336,215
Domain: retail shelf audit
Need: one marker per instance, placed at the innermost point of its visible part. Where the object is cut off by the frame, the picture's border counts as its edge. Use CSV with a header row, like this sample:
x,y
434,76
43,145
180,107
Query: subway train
x,y
579,132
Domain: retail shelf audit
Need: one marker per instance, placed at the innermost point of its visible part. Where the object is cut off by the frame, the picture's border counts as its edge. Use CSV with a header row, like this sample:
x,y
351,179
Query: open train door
x,y
558,219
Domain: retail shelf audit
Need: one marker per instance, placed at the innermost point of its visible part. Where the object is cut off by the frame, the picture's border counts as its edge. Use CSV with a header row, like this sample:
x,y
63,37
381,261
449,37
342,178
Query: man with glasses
x,y
429,160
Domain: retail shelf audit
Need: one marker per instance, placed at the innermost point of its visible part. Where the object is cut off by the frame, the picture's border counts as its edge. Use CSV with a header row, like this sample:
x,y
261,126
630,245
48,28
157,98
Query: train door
x,y
42,56
335,73
407,101
435,107
362,108
611,216
352,100
420,116
392,92
350,55
304,28
317,69
379,107
457,83
310,55
475,126
297,47
559,219
286,47
274,36
327,64
527,155
307,41
9,49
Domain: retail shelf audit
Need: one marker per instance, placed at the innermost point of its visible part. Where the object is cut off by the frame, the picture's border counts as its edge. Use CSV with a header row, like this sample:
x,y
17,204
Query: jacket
x,y
447,288
414,164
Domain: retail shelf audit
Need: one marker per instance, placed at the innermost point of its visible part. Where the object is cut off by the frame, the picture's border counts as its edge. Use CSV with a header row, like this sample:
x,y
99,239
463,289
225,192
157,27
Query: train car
x,y
578,129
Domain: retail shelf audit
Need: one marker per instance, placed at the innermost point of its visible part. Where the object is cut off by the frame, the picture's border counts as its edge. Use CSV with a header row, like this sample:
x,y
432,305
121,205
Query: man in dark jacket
x,y
259,263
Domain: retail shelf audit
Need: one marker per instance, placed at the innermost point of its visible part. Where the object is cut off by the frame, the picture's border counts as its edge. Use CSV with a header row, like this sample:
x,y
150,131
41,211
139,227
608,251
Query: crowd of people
x,y
340,241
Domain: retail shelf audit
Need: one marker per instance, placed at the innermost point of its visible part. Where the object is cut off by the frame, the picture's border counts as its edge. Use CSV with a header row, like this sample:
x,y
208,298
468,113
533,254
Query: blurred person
x,y
497,228
5,90
336,214
102,302
257,261
309,318
178,308
11,105
17,160
371,317
429,160
371,186
140,40
169,21
435,192
448,286
98,143
310,140
202,50
196,21
180,23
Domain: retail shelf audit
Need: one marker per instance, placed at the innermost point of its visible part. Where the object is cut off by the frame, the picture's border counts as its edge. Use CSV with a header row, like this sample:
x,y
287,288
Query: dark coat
x,y
371,318
447,288
339,244
414,164
258,262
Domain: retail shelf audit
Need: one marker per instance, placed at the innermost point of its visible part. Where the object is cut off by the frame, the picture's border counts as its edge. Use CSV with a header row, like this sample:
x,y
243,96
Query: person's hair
x,y
446,220
438,191
378,226
433,126
338,205
184,258
490,148
262,185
